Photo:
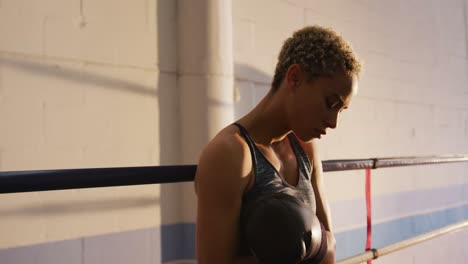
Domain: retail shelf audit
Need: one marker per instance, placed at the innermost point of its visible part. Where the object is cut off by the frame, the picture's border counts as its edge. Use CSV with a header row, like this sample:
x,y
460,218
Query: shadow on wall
x,y
76,207
178,201
76,75
166,96
251,85
177,237
245,72
97,81
171,195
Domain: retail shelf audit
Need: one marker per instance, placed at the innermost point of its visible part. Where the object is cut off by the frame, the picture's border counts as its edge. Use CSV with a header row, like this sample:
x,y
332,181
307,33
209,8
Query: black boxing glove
x,y
281,229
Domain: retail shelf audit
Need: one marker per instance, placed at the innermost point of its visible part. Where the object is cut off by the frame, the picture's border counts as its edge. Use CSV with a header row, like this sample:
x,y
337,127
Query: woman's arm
x,y
219,184
323,209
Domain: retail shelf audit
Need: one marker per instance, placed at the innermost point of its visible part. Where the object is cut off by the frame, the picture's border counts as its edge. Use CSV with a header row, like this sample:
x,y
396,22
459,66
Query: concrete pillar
x,y
205,80
205,68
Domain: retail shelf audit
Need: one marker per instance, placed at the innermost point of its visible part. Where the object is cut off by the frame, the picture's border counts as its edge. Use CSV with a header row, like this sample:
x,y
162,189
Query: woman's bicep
x,y
219,193
217,233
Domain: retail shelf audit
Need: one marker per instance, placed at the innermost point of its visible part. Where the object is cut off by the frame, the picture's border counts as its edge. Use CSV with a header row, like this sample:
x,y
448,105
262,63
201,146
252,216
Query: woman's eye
x,y
332,103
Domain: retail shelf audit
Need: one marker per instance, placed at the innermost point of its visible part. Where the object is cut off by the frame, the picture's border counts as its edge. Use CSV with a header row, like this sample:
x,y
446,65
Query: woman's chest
x,y
284,162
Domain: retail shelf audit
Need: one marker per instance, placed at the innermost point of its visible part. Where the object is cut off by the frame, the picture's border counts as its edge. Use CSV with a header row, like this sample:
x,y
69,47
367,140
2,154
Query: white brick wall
x,y
105,37
27,36
92,84
83,84
48,104
413,91
413,83
262,33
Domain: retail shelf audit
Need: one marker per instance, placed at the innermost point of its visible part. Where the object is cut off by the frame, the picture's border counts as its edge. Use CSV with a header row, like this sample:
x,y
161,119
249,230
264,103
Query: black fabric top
x,y
268,179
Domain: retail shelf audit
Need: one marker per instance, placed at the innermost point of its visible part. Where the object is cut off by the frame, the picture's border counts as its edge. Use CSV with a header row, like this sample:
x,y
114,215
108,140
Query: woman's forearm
x,y
323,212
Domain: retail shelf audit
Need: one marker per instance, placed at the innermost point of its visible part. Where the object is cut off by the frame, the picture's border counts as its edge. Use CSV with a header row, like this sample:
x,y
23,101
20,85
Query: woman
x,y
274,145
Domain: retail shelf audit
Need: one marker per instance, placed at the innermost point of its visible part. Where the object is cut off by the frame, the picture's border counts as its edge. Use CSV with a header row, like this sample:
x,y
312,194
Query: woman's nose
x,y
332,120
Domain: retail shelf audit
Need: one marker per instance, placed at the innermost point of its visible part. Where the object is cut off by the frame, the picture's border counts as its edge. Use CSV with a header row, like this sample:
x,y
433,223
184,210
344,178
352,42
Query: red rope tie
x,y
369,213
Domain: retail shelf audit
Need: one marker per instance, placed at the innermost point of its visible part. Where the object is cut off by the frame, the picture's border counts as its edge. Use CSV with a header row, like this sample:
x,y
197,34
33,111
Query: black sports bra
x,y
268,179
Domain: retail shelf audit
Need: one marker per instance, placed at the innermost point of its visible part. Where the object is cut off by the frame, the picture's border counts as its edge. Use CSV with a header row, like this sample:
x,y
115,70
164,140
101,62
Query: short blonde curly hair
x,y
319,51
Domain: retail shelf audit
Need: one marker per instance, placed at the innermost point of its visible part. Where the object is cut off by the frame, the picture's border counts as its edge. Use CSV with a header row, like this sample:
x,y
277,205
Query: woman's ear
x,y
294,76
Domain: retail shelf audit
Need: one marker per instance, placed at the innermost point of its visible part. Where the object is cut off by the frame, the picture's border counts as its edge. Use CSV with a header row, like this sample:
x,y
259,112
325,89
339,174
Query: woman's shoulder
x,y
225,159
227,142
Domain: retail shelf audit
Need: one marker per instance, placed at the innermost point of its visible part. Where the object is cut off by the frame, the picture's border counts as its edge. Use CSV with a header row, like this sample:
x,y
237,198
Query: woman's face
x,y
315,105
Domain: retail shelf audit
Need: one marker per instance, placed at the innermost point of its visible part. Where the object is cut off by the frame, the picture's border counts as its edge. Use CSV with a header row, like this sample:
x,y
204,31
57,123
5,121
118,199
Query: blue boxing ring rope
x,y
48,180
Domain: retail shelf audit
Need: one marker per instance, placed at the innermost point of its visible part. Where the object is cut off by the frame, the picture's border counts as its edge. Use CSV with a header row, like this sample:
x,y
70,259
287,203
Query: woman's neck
x,y
267,122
